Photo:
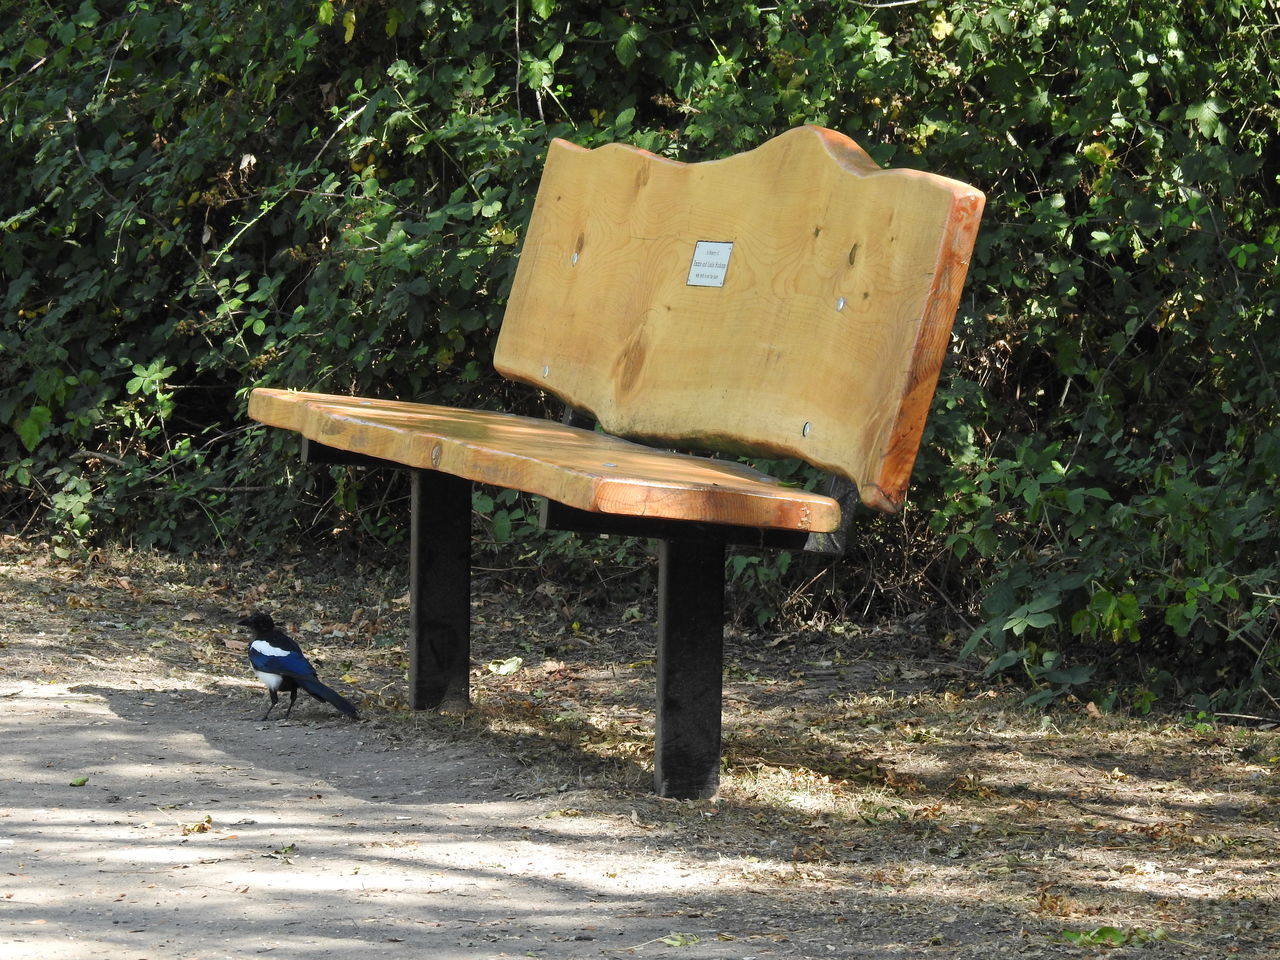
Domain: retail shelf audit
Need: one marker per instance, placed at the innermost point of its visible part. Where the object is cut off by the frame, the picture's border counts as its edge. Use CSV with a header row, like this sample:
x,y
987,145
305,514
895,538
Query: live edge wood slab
x,y
795,300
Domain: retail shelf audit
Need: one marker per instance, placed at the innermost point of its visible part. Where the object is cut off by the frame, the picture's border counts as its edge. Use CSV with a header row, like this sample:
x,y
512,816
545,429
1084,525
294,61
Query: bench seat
x,y
579,468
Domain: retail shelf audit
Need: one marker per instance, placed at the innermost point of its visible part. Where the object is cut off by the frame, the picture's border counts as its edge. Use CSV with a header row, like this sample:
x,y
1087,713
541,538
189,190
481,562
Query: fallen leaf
x,y
505,667
681,940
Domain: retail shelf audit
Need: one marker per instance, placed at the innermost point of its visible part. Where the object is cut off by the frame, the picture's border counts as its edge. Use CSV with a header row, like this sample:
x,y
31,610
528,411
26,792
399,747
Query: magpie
x,y
279,663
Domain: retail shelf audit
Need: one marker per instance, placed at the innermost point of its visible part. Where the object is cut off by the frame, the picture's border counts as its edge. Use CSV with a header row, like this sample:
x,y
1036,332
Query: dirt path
x,y
200,835
928,825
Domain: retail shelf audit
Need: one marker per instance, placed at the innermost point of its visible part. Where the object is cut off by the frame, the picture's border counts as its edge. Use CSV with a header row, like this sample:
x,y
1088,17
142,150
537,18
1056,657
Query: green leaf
x,y
1020,621
1007,660
1069,676
1042,698
543,8
79,781
33,427
1206,115
1098,153
626,49
502,526
87,16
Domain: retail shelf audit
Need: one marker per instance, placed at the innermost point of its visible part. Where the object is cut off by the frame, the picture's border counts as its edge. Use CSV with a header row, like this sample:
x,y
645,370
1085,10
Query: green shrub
x,y
201,197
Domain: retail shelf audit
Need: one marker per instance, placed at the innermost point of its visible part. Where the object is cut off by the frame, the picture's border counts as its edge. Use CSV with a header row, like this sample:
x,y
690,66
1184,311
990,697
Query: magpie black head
x,y
258,622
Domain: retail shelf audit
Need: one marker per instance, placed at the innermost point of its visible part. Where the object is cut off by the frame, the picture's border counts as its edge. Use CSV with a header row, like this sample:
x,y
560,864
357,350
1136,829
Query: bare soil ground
x,y
878,799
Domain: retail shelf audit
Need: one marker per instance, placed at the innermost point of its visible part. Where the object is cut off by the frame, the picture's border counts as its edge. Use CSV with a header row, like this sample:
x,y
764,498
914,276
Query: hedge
x,y
202,197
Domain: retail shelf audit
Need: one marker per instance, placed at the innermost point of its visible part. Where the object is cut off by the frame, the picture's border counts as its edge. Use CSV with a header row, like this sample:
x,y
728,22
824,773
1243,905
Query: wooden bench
x,y
795,300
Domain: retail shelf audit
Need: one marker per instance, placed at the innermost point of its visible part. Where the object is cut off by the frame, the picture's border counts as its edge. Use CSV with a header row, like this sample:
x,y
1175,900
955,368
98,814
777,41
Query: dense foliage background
x,y
204,196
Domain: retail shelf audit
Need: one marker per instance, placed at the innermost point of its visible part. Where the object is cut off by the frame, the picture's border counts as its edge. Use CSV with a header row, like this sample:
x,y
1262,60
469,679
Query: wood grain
x,y
825,340
578,467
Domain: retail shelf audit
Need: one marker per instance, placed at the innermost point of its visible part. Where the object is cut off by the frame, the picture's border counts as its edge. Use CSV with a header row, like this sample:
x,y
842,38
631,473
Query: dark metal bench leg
x,y
690,658
439,592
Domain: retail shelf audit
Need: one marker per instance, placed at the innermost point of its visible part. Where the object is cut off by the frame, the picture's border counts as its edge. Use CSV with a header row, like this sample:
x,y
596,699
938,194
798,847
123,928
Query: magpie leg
x,y
274,698
293,698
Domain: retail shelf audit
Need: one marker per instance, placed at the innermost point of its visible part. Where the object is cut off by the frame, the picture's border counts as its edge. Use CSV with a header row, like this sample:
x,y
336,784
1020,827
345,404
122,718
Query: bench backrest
x,y
792,301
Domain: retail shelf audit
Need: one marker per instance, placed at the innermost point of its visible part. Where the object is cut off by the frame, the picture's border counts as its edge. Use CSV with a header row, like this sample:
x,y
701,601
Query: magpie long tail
x,y
321,692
